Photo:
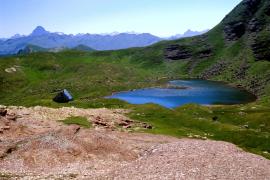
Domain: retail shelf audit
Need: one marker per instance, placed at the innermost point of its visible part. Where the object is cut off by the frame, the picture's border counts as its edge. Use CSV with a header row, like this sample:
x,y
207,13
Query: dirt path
x,y
35,145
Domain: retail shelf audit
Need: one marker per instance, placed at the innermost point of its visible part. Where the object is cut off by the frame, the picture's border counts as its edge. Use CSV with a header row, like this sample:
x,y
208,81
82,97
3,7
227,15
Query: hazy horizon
x,y
109,33
159,18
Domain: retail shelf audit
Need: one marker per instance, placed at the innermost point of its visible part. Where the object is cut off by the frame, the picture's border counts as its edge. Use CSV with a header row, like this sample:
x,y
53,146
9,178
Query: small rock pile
x,y
120,123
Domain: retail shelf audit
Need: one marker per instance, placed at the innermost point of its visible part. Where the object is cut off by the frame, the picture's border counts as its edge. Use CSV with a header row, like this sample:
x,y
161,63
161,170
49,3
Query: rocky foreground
x,y
34,144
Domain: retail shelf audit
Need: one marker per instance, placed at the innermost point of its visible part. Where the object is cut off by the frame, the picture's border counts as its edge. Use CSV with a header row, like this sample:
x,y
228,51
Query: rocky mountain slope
x,y
236,50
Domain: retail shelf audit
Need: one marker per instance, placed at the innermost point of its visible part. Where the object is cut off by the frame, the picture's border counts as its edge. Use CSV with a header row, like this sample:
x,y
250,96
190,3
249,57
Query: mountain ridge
x,y
30,48
188,33
48,40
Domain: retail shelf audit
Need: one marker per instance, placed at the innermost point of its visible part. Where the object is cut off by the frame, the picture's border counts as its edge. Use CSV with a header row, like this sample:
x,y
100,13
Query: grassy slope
x,y
92,75
89,76
247,126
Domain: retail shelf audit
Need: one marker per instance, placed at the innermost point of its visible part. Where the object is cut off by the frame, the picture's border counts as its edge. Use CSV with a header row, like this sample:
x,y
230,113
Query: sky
x,y
159,17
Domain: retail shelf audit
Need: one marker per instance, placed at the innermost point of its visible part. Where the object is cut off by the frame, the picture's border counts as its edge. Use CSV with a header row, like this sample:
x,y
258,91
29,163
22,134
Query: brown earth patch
x,y
38,146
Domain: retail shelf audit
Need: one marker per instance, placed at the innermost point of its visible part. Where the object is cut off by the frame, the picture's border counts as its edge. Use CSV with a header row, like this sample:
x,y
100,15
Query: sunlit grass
x,y
81,121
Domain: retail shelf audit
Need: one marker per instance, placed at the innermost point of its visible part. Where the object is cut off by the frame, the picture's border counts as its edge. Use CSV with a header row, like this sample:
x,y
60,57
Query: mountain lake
x,y
181,92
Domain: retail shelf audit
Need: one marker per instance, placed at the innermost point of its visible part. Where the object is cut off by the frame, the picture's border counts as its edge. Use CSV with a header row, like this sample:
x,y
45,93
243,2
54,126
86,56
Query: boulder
x,y
3,112
11,117
177,52
63,97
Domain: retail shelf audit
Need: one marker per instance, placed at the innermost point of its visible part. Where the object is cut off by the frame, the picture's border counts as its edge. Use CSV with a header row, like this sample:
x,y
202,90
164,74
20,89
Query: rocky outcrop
x,y
254,25
120,123
261,51
3,112
234,31
6,119
240,73
237,22
215,70
261,47
205,53
177,52
251,6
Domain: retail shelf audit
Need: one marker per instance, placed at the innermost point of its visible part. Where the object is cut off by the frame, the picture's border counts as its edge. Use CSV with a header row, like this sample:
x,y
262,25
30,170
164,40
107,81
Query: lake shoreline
x,y
238,94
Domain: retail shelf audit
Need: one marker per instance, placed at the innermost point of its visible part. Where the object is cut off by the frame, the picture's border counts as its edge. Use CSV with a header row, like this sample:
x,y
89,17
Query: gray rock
x,y
261,48
177,52
254,25
205,53
214,70
234,31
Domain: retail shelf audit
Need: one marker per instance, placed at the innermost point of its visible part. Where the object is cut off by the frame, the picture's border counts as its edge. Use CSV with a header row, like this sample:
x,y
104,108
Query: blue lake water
x,y
197,91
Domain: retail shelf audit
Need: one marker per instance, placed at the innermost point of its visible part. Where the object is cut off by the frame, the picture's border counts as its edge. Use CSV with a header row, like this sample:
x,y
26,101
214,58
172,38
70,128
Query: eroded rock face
x,y
251,5
261,47
262,50
239,21
215,70
234,31
177,52
254,25
205,53
240,73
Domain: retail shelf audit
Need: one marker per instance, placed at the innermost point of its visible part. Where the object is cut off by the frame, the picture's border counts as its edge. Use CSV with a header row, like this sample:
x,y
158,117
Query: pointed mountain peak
x,y
38,31
189,30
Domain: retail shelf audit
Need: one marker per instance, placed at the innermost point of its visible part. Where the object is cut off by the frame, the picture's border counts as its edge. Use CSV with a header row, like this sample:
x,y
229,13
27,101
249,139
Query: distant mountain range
x,y
42,40
188,33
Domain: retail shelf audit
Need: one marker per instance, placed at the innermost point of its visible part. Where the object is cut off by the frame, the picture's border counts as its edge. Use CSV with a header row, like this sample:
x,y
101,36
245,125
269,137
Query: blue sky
x,y
159,17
